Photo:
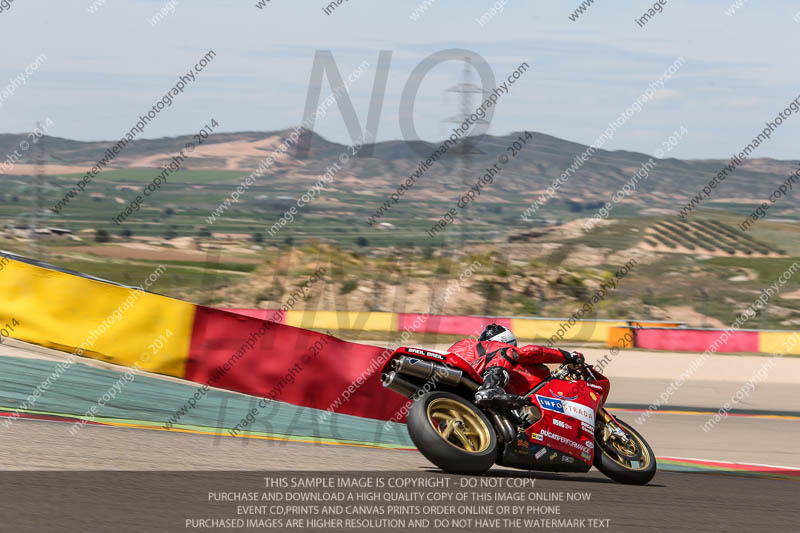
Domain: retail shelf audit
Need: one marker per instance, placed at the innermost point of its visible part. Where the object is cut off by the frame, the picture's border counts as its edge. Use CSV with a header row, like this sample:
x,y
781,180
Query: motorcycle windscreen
x,y
567,423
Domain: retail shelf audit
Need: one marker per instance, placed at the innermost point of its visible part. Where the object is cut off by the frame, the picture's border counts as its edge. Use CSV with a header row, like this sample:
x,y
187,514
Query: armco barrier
x,y
778,342
695,340
446,324
621,337
559,330
699,340
523,327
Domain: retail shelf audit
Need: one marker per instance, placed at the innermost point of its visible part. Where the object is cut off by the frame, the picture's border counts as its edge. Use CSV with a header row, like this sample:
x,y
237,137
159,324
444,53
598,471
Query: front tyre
x,y
452,433
630,461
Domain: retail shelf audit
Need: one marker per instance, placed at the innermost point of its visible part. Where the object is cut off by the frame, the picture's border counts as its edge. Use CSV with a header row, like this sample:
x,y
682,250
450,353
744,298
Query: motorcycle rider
x,y
503,365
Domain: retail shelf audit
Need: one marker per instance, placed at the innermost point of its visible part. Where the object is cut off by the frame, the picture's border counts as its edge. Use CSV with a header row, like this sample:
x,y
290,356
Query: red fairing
x,y
600,384
567,425
525,378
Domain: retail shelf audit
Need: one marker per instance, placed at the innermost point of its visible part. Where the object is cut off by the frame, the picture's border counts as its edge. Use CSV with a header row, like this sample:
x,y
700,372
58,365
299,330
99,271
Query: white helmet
x,y
494,332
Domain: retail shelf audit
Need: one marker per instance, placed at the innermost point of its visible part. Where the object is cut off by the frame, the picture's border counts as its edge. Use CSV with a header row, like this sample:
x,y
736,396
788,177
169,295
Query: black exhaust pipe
x,y
394,382
427,370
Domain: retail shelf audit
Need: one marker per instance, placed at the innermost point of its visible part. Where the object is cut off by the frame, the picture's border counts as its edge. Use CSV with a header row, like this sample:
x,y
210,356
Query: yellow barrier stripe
x,y
103,321
583,330
779,342
339,320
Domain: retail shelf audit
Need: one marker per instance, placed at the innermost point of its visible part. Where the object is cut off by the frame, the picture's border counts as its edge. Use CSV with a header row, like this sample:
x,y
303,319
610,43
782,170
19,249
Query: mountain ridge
x,y
534,168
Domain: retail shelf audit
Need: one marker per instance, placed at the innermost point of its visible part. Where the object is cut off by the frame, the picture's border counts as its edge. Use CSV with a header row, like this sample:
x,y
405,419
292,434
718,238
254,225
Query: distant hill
x,y
526,176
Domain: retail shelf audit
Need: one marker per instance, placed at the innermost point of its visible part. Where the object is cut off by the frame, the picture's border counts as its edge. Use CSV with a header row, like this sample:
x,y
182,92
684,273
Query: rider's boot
x,y
491,393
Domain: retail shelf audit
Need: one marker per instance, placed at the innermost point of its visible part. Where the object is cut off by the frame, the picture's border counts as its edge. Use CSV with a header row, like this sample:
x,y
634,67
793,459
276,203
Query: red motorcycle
x,y
564,429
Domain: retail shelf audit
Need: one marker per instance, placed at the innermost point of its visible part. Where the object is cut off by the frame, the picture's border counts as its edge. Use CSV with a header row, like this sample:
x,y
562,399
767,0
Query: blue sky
x,y
104,69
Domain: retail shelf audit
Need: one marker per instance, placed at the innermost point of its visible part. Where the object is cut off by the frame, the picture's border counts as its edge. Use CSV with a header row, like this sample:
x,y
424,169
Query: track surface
x,y
674,502
132,501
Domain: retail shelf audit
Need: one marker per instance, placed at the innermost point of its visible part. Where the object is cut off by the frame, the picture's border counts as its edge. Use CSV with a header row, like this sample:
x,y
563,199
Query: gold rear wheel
x,y
458,425
452,433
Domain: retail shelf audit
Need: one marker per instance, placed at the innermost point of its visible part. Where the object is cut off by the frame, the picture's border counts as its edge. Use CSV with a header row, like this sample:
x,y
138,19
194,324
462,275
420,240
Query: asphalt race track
x,y
132,458
672,502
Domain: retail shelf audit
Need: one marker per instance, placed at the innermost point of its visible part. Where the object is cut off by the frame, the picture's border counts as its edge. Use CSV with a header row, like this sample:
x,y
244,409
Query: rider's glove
x,y
573,358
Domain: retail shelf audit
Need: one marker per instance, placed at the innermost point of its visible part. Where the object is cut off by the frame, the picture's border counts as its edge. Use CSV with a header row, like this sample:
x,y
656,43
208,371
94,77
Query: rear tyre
x,y
633,463
452,433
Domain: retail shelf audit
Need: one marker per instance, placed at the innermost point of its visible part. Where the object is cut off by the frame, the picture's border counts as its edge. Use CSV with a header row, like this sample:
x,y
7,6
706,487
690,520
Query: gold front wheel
x,y
621,452
458,425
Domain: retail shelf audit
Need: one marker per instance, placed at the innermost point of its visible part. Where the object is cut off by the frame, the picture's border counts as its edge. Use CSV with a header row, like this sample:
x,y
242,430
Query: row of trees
x,y
102,235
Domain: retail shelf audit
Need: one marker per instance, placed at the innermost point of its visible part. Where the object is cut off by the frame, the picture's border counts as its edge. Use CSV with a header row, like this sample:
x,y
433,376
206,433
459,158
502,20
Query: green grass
x,y
234,267
174,278
620,235
768,269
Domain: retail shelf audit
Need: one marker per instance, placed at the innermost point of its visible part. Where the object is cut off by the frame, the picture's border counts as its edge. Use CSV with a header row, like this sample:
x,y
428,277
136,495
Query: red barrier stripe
x,y
282,363
276,315
693,340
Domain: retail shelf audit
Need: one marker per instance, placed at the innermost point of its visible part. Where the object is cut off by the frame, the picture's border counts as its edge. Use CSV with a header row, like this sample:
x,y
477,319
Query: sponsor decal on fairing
x,y
564,440
427,353
571,409
561,424
579,411
561,396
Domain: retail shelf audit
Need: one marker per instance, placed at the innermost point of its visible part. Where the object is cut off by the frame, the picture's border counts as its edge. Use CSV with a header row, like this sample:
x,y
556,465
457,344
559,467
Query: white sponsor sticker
x,y
540,453
581,412
564,440
561,424
427,353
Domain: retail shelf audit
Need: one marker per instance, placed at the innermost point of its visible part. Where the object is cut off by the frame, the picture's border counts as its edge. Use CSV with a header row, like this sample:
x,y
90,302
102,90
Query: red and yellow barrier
x,y
227,350
700,340
274,354
621,337
446,324
525,328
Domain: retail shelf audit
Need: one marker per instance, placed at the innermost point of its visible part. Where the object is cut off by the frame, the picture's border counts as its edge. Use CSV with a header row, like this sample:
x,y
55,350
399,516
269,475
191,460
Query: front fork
x,y
609,427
